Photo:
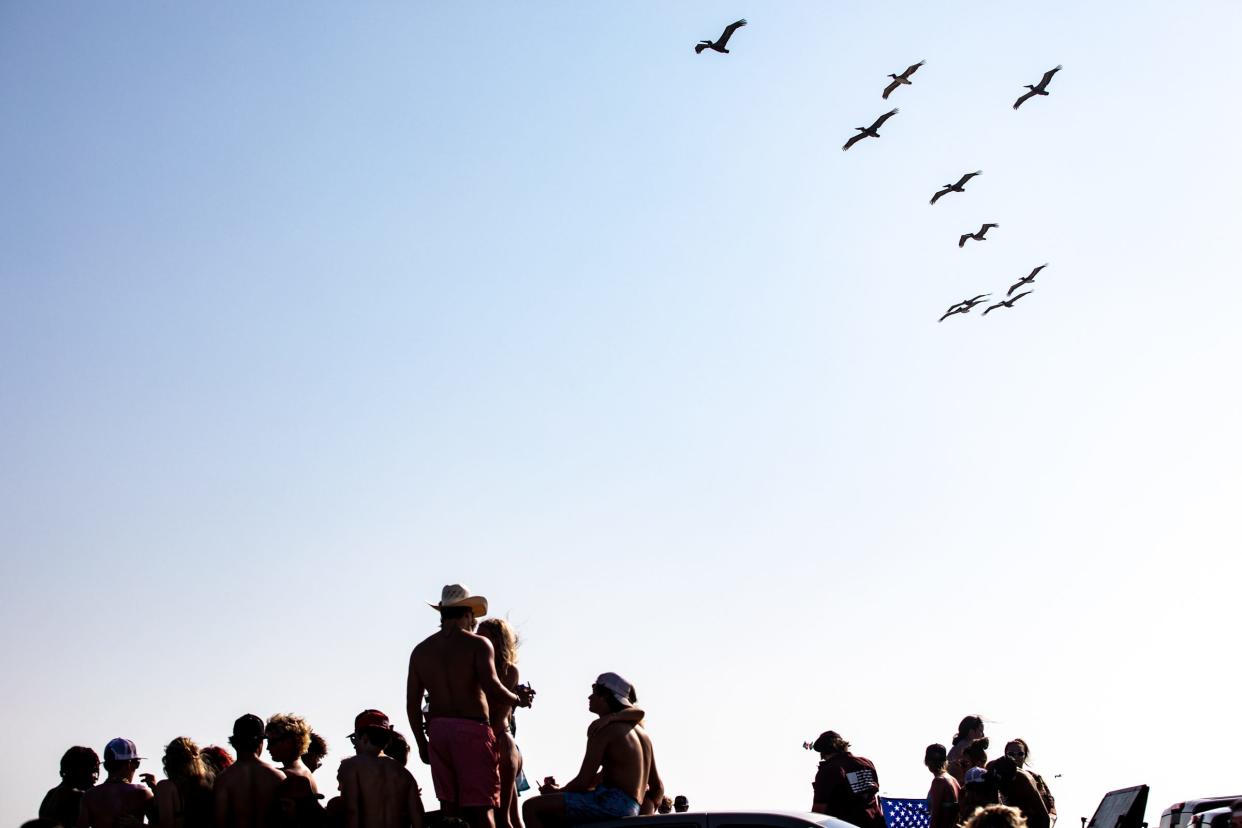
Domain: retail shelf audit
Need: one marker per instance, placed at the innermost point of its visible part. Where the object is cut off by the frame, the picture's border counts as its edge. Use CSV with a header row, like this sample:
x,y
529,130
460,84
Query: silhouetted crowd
x,y
964,782
462,692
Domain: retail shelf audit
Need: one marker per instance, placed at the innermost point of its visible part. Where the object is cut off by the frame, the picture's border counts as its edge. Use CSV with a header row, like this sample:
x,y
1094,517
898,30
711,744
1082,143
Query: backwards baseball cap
x,y
121,750
620,689
249,726
370,718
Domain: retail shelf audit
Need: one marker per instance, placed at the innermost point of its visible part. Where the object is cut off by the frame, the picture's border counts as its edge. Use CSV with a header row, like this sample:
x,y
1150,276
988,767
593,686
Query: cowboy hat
x,y
456,595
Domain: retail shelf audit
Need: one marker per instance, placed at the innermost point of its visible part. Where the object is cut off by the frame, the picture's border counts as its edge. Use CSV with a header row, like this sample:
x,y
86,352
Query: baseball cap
x,y
617,686
249,726
370,718
121,750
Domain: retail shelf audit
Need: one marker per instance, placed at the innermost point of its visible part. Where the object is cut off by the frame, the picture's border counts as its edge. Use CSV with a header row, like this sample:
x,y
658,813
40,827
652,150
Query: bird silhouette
x,y
1005,303
978,236
1040,88
959,187
963,306
871,131
903,78
1026,280
719,45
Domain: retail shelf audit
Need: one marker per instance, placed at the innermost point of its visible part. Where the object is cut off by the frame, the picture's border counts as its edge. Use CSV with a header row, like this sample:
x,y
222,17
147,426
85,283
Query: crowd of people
x,y
462,692
963,781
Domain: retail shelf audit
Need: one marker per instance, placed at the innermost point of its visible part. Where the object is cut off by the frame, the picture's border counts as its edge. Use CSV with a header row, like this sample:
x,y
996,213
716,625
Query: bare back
x,y
114,805
447,666
628,759
378,793
246,795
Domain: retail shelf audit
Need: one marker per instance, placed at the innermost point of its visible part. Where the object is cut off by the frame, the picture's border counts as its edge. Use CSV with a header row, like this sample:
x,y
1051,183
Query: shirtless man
x,y
457,670
377,791
118,802
288,737
246,791
79,771
618,777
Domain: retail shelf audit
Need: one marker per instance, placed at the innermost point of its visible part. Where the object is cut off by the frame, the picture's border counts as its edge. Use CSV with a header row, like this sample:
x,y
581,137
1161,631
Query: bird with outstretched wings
x,y
959,187
963,306
1005,303
1026,280
977,236
871,131
1040,88
902,79
721,42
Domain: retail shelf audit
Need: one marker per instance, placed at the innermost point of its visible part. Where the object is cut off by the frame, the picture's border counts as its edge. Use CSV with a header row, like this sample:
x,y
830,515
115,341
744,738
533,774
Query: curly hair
x,y
996,816
183,760
79,761
503,638
287,724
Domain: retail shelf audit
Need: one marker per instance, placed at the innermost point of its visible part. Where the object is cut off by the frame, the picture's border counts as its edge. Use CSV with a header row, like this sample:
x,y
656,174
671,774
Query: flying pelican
x,y
959,187
1040,88
1005,303
903,78
964,306
871,131
979,236
719,45
1026,280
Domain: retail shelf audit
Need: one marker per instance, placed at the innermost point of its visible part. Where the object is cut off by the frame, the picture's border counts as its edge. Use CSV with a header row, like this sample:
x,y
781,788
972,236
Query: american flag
x,y
905,813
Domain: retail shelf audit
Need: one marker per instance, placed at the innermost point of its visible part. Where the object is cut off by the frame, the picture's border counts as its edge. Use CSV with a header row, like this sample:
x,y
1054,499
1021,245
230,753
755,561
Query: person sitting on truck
x,y
618,777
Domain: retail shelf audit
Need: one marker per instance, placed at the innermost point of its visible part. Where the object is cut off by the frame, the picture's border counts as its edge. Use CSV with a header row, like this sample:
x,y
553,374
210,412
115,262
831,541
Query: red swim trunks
x,y
465,766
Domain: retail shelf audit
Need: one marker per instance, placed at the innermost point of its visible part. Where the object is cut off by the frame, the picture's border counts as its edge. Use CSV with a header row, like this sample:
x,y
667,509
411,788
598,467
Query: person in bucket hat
x,y
457,670
118,799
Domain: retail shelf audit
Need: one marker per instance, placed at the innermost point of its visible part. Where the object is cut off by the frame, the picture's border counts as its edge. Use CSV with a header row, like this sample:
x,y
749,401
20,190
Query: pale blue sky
x,y
307,309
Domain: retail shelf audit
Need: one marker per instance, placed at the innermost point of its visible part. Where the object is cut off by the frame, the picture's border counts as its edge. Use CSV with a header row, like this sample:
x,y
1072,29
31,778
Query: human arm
x,y
655,789
821,789
165,803
417,815
588,774
493,687
347,781
414,710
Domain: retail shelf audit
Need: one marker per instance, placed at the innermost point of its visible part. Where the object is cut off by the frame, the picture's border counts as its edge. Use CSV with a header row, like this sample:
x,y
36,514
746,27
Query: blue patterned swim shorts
x,y
601,803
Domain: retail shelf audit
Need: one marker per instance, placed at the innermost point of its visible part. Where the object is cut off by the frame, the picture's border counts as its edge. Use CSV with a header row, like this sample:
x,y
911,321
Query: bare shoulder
x,y
426,644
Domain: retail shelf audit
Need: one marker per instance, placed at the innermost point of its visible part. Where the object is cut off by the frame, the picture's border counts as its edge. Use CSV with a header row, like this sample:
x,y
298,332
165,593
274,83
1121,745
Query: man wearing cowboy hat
x,y
457,670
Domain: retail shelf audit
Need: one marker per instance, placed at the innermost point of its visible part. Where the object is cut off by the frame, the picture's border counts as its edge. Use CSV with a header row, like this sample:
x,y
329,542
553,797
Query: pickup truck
x,y
727,819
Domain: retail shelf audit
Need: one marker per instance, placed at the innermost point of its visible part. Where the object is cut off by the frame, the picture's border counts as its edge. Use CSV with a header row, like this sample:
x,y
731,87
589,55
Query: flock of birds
x,y
720,44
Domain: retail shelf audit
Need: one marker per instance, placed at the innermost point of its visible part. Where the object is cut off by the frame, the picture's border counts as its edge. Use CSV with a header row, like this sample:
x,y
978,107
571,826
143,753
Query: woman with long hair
x,y
969,730
185,799
505,643
942,797
1019,752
